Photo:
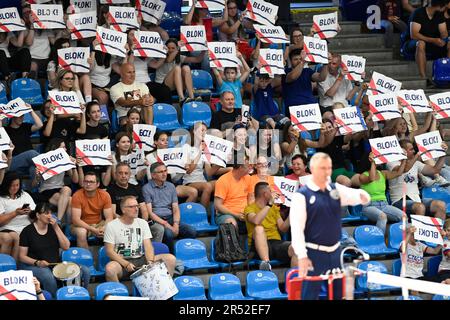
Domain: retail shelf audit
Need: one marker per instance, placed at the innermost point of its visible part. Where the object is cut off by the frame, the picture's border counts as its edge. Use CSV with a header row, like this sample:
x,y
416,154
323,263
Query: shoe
x,y
198,99
441,181
265,266
186,100
426,181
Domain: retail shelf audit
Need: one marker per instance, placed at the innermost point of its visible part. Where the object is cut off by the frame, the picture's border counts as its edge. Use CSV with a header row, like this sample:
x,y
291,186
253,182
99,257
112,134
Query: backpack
x,y
227,245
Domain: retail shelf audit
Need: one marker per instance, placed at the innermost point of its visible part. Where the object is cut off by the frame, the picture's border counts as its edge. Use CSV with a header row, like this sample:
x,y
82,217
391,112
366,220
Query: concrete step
x,y
351,41
306,15
371,55
412,82
394,69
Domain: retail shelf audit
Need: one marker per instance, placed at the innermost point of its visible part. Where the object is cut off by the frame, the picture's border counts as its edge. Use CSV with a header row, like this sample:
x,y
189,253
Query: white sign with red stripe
x,y
111,41
17,285
316,50
10,20
175,159
217,151
262,12
349,120
303,180
222,54
77,6
271,34
14,108
427,229
285,188
271,61
143,136
355,66
430,145
53,163
136,161
384,106
65,102
148,44
48,16
151,10
5,140
194,38
82,25
306,117
114,1
93,152
440,102
381,84
214,5
123,18
326,25
74,59
245,113
413,101
386,149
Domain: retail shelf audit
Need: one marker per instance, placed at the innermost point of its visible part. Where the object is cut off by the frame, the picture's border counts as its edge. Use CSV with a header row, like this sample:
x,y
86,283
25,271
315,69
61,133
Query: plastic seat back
x,y
72,293
194,112
103,259
78,255
395,235
160,248
165,117
189,288
225,286
110,288
27,89
433,265
437,193
7,262
263,285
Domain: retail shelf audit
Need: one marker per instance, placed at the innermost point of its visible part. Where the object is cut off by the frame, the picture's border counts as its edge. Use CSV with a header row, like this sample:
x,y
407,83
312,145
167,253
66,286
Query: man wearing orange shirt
x,y
89,206
231,194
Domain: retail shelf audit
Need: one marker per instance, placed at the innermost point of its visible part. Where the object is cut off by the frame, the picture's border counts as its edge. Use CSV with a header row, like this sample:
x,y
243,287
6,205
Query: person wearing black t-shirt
x,y
94,129
121,189
428,33
20,133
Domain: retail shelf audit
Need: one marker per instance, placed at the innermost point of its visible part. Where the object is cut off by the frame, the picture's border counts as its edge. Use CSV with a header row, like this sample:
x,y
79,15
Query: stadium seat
x,y
73,238
114,122
263,285
308,135
397,267
256,262
110,288
355,215
103,259
361,281
225,286
165,117
28,118
7,263
171,23
160,248
83,257
440,297
410,298
193,254
437,193
194,112
47,295
3,97
370,239
195,215
222,264
72,293
433,265
27,89
395,235
189,288
202,83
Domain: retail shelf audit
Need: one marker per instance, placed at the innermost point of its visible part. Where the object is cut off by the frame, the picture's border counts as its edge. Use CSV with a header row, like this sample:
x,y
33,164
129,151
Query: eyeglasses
x,y
89,182
69,79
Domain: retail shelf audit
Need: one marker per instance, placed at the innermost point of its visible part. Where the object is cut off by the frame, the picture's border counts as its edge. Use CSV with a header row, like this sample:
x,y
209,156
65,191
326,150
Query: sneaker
x,y
426,181
198,99
265,265
441,181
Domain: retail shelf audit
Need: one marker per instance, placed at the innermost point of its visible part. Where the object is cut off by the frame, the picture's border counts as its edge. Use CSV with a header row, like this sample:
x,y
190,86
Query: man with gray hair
x,y
315,218
162,204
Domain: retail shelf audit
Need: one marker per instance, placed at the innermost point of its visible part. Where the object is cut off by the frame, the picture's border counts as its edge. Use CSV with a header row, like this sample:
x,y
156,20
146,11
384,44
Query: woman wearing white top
x,y
124,147
15,206
20,60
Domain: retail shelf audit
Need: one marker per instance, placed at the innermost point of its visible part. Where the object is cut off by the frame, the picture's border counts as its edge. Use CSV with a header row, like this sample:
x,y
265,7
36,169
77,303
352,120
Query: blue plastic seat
x,y
103,259
189,288
225,286
160,248
7,262
171,23
355,215
194,112
195,215
83,257
72,293
370,239
193,254
110,288
3,97
165,117
410,298
433,265
222,264
361,281
395,235
73,238
263,285
437,193
115,127
202,82
397,267
27,89
440,297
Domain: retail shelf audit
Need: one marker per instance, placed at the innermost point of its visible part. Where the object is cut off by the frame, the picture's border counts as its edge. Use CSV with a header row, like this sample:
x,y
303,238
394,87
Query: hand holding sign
x,y
386,149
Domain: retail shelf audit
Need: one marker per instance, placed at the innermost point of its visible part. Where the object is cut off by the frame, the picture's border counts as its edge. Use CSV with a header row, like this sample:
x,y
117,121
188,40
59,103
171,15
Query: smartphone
x,y
25,206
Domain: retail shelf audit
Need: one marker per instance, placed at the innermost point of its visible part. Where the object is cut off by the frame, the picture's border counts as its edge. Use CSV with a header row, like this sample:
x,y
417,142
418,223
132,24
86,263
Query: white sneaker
x,y
441,181
426,181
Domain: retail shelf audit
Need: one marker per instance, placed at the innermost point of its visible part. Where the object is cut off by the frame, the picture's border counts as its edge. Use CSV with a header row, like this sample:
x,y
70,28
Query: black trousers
x,y
19,61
